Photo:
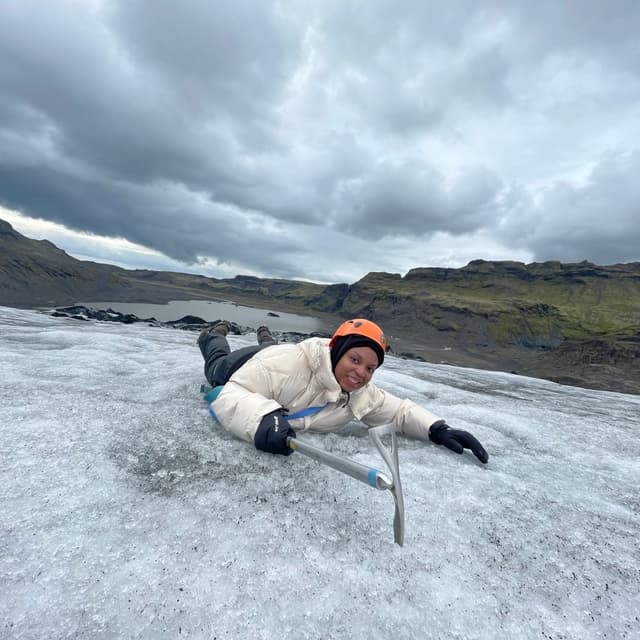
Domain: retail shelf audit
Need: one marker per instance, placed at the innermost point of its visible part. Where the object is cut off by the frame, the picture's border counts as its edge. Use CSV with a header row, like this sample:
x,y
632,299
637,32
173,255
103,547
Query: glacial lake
x,y
210,310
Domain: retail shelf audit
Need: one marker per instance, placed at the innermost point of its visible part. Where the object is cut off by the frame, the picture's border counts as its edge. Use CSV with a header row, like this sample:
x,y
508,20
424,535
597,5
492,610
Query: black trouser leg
x,y
219,362
214,349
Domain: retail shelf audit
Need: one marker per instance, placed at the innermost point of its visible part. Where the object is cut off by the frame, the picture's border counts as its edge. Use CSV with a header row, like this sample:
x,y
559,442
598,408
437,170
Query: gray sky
x,y
322,140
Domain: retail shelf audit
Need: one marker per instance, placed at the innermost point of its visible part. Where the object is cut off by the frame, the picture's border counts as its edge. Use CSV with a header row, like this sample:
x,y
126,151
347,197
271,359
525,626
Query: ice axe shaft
x,y
369,475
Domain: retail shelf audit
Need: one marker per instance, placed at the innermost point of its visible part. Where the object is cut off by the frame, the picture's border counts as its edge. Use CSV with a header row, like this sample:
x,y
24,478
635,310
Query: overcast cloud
x,y
322,140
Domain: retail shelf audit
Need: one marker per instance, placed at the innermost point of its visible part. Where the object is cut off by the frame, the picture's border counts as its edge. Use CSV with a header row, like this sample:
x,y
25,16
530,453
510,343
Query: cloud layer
x,y
326,140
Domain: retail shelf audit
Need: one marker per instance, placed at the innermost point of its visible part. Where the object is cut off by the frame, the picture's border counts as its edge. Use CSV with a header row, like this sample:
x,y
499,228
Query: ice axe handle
x,y
368,475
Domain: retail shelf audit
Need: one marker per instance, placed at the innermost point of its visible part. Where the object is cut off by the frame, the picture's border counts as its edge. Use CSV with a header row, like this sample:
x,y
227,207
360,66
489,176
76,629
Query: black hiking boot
x,y
264,335
221,327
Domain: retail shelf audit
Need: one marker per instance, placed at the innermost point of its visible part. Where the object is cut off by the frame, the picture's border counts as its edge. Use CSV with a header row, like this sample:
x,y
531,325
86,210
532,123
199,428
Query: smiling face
x,y
355,368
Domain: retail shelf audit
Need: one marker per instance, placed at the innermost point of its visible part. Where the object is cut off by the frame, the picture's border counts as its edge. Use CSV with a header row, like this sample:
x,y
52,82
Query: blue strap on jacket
x,y
212,394
309,411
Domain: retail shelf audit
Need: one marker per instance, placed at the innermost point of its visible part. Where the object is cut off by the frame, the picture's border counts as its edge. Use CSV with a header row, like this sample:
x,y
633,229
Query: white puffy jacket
x,y
298,376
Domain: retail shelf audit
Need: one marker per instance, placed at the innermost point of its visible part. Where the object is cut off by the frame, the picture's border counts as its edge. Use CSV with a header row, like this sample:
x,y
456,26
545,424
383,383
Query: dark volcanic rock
x,y
187,320
189,323
86,313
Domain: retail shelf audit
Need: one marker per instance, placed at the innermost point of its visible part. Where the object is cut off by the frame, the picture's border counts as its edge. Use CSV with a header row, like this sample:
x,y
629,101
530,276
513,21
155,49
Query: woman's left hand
x,y
457,440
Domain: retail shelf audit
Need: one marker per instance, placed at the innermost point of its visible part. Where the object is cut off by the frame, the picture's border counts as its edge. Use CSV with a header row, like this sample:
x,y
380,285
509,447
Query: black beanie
x,y
342,344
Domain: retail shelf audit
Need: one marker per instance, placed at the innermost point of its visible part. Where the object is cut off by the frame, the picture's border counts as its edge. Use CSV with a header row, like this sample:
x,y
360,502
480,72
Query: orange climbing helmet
x,y
365,329
361,327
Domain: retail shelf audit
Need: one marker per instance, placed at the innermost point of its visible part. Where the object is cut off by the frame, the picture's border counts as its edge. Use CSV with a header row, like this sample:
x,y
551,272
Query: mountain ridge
x,y
577,323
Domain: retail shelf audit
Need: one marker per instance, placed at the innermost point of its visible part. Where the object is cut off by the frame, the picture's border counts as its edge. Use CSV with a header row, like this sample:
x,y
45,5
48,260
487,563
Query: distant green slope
x,y
540,303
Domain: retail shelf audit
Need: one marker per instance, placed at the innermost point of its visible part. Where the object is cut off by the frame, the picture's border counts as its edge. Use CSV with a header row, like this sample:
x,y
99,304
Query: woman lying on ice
x,y
273,390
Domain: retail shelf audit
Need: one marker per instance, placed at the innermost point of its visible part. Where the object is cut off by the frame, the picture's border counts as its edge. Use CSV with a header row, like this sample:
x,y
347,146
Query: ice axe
x,y
369,475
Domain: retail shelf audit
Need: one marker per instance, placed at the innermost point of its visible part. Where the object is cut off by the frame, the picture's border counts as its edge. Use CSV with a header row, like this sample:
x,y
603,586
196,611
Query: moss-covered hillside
x,y
537,305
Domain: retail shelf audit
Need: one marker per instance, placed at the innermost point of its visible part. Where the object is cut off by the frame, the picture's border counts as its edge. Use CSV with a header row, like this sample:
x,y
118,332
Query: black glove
x,y
457,441
272,434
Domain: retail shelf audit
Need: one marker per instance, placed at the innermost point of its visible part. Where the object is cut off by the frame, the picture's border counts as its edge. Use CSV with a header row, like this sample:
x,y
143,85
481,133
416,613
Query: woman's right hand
x,y
272,433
